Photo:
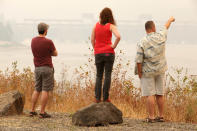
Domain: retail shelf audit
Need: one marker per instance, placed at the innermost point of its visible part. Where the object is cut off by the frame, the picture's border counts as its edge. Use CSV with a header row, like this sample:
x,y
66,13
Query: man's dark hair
x,y
149,25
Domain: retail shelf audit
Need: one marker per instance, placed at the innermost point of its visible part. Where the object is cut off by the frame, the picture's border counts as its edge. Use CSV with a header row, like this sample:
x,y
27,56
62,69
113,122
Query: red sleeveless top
x,y
103,37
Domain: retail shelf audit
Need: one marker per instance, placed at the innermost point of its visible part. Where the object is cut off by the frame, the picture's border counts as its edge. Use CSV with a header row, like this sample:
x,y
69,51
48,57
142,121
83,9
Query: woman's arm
x,y
117,35
93,37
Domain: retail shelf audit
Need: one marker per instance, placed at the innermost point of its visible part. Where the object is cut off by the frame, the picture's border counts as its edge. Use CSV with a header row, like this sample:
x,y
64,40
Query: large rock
x,y
98,114
11,103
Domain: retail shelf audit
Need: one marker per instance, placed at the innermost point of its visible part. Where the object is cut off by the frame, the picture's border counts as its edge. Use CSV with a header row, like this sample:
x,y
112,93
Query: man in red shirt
x,y
42,49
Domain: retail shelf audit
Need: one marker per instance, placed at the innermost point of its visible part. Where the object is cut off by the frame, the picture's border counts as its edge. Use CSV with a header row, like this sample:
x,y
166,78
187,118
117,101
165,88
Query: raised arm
x,y
117,35
93,37
168,23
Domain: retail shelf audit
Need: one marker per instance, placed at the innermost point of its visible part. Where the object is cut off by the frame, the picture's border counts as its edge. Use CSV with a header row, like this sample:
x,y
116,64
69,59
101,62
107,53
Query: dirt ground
x,y
63,122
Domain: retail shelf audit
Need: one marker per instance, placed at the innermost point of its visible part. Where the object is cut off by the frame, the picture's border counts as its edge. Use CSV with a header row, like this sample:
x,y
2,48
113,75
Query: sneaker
x,y
159,119
45,115
33,114
108,100
97,101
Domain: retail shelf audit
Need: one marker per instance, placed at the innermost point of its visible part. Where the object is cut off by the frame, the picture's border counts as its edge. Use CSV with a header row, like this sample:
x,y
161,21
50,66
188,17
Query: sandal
x,y
148,120
33,114
45,115
159,119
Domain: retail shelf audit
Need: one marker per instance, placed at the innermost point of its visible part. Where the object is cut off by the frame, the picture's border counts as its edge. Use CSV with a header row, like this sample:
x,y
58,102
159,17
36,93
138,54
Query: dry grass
x,y
71,95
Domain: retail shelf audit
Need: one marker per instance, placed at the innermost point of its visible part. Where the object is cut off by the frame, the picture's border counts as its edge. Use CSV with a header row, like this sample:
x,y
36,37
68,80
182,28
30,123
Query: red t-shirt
x,y
103,36
42,49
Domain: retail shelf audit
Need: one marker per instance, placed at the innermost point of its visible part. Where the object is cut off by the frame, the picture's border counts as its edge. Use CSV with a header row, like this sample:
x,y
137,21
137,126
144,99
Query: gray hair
x,y
42,27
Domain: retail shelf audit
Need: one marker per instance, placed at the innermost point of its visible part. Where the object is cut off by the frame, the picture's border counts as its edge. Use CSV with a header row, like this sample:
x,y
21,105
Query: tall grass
x,y
71,95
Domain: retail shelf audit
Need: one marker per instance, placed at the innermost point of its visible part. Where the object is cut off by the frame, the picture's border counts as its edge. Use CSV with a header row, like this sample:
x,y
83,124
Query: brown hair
x,y
106,16
149,25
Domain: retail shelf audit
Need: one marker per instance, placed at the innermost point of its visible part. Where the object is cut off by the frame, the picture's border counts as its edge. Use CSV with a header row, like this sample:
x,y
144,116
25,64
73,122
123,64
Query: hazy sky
x,y
123,9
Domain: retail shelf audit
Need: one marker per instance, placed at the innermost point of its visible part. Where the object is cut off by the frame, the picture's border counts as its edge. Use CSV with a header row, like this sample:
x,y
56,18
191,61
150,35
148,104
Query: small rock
x,y
103,113
11,103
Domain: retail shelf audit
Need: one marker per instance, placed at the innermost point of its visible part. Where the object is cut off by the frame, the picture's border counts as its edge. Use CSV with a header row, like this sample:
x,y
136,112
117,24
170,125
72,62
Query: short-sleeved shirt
x,y
42,49
151,53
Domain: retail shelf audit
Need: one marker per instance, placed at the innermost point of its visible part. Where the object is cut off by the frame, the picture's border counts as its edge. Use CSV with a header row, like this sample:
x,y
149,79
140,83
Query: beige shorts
x,y
153,85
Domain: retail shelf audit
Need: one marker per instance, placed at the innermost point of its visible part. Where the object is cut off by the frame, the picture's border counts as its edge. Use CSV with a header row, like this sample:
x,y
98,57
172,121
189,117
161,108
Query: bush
x,y
71,95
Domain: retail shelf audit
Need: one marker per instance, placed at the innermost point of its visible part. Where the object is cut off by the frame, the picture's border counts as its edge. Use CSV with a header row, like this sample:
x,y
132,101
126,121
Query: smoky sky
x,y
122,9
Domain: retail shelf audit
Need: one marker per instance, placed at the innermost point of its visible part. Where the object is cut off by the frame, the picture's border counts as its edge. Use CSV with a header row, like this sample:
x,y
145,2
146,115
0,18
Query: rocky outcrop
x,y
11,103
103,113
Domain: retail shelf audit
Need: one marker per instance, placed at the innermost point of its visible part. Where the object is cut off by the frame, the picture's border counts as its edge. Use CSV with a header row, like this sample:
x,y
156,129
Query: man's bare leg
x,y
151,106
34,99
44,99
160,103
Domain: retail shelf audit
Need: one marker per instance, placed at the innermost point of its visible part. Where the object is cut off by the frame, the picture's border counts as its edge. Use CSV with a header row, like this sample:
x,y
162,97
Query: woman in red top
x,y
104,51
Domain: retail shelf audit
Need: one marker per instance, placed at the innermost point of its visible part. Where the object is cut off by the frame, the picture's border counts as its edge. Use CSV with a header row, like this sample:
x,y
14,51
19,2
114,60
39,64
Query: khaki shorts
x,y
44,78
153,85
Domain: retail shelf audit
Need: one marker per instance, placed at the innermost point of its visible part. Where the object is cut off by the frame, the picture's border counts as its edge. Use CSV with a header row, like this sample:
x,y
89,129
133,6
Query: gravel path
x,y
63,122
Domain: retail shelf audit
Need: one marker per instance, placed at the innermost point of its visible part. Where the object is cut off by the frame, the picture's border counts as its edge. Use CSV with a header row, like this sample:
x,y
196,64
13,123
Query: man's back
x,y
152,47
42,49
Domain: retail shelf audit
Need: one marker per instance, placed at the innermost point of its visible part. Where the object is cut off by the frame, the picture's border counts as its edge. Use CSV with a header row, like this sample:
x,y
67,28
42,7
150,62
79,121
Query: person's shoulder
x,y
48,40
155,36
112,25
34,38
142,41
160,36
96,25
163,30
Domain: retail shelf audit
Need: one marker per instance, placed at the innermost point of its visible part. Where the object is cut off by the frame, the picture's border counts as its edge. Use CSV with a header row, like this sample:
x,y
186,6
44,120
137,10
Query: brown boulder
x,y
103,113
11,103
